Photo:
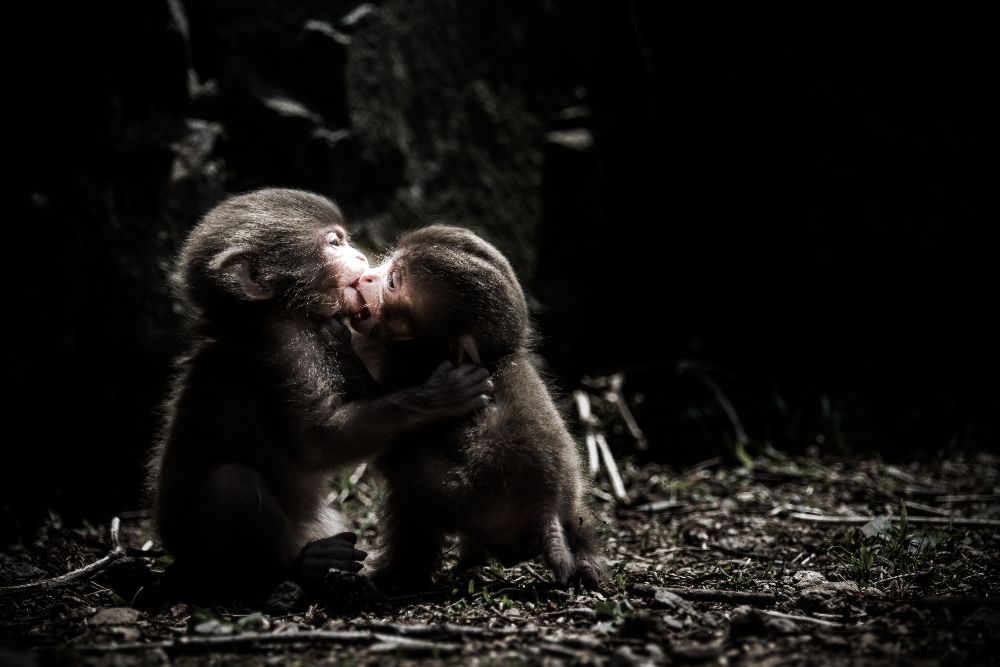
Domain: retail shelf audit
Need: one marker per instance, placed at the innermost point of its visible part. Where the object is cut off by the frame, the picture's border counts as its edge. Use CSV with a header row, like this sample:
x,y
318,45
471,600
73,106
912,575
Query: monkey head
x,y
447,284
270,251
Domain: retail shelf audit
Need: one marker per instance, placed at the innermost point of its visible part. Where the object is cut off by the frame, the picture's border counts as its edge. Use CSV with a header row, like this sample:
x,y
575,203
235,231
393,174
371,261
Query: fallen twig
x,y
659,506
534,574
697,467
609,462
911,505
117,552
583,408
915,520
437,630
421,595
802,619
251,638
964,601
711,595
616,396
969,498
727,407
572,611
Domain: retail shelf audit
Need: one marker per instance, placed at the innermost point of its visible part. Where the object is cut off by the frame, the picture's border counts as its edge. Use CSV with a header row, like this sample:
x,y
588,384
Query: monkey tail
x,y
557,551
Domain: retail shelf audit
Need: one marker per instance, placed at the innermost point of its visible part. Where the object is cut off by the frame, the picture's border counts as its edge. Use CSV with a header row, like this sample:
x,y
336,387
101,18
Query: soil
x,y
774,561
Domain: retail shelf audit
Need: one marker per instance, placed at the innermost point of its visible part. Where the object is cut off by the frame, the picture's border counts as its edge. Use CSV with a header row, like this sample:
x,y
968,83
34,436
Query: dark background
x,y
800,205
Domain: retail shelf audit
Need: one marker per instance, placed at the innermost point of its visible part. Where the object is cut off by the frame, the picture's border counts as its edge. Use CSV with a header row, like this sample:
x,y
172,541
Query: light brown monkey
x,y
268,398
506,478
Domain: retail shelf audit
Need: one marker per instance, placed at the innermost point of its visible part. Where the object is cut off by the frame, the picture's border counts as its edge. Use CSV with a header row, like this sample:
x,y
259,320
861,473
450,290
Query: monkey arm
x,y
365,428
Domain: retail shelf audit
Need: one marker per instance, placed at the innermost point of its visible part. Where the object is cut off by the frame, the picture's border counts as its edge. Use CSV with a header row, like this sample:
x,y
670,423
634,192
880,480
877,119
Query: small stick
x,y
659,506
969,601
697,467
715,595
248,638
969,498
609,462
117,552
924,508
915,520
727,407
593,464
803,619
572,611
616,396
537,576
440,630
583,408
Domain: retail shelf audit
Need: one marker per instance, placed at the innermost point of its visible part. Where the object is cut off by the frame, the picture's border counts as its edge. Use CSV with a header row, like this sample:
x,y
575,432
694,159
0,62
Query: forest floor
x,y
809,560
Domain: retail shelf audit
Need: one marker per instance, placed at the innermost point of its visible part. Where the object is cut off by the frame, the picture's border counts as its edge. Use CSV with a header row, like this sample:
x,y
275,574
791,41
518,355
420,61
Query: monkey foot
x,y
348,590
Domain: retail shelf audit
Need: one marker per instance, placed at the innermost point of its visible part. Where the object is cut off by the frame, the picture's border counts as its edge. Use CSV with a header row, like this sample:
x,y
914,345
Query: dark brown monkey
x,y
260,411
507,478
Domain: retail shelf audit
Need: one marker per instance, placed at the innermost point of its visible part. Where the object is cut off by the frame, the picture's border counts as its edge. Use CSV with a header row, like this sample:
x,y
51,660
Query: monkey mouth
x,y
362,311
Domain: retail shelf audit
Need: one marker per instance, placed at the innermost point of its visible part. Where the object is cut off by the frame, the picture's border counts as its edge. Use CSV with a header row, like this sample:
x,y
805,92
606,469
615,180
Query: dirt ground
x,y
775,561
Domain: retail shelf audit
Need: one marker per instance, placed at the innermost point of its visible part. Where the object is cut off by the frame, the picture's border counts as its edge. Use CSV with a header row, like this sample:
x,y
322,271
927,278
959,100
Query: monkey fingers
x,y
589,571
441,372
337,552
336,329
460,391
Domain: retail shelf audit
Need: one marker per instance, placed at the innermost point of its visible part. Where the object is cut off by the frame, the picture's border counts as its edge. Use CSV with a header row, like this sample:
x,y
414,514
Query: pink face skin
x,y
347,266
379,287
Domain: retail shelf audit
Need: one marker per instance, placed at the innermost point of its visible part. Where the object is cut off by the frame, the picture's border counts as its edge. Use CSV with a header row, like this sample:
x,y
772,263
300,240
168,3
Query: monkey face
x,y
445,284
391,302
271,251
343,267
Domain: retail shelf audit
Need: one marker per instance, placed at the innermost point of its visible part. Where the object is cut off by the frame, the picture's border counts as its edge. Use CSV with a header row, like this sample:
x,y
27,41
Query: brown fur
x,y
260,412
507,479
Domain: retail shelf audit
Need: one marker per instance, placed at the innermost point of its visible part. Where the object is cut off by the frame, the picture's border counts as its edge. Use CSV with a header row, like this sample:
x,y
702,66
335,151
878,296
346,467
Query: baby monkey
x,y
506,479
268,399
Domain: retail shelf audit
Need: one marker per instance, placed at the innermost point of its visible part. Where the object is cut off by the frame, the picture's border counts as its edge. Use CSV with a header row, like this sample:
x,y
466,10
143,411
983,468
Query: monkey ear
x,y
239,264
468,350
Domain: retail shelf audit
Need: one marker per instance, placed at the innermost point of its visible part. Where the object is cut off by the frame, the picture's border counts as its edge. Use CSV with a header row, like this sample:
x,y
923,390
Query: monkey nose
x,y
368,276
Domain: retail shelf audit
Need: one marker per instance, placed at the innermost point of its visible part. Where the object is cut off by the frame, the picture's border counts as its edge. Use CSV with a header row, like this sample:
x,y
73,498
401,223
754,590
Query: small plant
x,y
858,560
497,570
884,548
611,610
735,577
618,575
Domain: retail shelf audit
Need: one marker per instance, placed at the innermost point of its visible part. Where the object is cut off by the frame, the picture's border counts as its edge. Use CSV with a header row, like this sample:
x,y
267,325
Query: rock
x,y
115,616
286,598
748,622
12,658
667,600
346,590
808,578
127,577
20,572
984,619
126,634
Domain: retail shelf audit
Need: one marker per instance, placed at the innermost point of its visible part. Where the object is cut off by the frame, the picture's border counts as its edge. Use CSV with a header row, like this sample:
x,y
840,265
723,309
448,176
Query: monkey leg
x,y
248,540
470,554
583,544
570,549
411,551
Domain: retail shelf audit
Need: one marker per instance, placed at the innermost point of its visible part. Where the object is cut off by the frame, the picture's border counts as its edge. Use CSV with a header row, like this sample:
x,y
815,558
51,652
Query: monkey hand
x,y
336,331
453,391
330,553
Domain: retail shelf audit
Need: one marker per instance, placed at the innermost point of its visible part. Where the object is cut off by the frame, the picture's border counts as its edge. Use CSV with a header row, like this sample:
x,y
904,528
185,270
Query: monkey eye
x,y
333,239
395,279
